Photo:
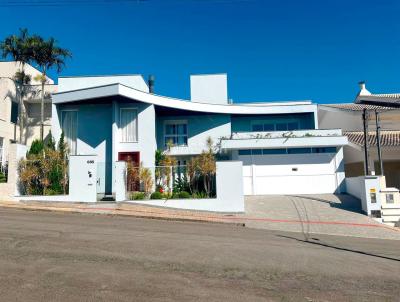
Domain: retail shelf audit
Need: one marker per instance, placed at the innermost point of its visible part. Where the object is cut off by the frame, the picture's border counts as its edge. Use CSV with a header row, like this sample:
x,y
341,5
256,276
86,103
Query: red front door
x,y
133,160
129,156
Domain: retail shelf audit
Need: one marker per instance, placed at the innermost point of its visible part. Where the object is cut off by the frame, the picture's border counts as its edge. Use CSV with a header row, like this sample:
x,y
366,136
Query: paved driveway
x,y
308,214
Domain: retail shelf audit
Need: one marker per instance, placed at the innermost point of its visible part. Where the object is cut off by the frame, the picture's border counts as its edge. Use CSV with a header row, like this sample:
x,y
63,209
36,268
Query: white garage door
x,y
289,174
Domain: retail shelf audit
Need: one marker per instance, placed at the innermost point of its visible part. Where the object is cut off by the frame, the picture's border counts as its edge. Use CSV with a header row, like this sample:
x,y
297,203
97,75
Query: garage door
x,y
289,174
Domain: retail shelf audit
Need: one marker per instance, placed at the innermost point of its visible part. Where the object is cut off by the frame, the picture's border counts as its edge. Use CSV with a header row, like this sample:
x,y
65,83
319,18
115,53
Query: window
x,y
257,127
70,129
274,126
286,151
324,150
1,150
176,133
299,150
14,112
128,125
244,152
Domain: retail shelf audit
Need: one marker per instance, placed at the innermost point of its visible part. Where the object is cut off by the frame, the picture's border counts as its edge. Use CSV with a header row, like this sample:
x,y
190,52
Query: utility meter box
x,y
82,178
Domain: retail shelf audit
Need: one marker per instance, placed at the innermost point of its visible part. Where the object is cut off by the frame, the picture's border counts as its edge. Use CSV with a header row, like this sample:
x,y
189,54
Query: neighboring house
x,y
280,144
9,129
349,118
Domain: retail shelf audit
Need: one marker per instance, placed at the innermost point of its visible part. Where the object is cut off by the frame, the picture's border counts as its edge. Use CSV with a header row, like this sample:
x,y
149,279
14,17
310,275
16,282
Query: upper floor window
x,y
128,125
274,126
176,133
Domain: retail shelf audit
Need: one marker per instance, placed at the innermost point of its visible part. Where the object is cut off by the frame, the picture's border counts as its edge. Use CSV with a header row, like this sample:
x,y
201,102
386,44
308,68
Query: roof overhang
x,y
88,94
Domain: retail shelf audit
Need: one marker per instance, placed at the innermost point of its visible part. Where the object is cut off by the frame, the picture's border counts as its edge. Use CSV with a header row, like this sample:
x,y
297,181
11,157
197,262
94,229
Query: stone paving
x,y
308,214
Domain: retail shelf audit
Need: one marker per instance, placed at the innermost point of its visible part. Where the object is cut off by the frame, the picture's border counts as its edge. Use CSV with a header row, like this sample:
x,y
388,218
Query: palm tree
x,y
47,54
18,47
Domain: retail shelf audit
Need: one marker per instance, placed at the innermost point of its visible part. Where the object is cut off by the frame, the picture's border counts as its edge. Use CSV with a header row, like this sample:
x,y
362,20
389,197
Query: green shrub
x,y
3,177
138,196
199,195
37,147
184,195
156,195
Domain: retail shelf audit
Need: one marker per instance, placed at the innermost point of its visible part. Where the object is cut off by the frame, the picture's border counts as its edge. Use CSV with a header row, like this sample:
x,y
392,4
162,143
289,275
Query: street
x,y
48,256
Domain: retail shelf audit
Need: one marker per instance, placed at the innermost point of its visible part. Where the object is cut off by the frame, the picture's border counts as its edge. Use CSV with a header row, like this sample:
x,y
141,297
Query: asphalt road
x,y
73,257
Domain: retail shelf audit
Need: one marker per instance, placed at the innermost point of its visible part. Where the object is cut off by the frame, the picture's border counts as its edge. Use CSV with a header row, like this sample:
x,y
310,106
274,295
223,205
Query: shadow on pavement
x,y
316,242
347,202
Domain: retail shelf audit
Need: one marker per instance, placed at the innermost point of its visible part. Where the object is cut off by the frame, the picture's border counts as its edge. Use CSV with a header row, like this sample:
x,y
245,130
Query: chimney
x,y
363,90
151,83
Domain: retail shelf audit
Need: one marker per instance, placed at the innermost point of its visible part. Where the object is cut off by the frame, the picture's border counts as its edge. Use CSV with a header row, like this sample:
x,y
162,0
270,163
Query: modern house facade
x,y
282,148
9,107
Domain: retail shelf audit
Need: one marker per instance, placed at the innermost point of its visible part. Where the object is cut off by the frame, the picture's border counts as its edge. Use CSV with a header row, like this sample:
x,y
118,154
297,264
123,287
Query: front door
x,y
133,162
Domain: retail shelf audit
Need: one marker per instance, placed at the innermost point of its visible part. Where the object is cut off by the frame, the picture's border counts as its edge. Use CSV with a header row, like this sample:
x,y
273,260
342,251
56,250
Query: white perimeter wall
x,y
229,193
360,187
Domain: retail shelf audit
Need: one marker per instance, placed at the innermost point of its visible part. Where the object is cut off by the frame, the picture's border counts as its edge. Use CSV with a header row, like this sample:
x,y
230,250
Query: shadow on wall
x,y
345,202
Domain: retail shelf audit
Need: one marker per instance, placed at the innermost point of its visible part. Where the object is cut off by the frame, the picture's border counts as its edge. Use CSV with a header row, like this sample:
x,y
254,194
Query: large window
x,y
287,151
176,133
274,126
128,125
70,129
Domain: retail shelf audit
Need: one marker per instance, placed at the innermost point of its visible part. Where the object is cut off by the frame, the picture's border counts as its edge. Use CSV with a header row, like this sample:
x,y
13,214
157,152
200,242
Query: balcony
x,y
284,139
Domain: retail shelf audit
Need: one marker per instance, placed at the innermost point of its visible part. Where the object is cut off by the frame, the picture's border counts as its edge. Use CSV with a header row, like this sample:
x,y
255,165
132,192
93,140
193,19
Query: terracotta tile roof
x,y
357,107
386,99
389,138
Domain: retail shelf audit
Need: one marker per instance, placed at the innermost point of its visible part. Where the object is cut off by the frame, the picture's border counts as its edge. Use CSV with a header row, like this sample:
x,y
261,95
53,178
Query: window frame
x,y
136,125
176,122
274,124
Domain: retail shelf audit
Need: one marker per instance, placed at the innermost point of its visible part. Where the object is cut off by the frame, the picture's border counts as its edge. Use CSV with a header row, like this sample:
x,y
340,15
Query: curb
x,y
118,212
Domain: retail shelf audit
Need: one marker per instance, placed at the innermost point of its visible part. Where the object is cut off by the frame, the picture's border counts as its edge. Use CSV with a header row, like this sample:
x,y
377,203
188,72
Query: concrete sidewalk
x,y
271,213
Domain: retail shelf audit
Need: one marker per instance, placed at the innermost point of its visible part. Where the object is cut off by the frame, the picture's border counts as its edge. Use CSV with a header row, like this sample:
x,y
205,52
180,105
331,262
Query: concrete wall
x,y
361,187
229,193
11,188
74,83
212,88
200,127
352,120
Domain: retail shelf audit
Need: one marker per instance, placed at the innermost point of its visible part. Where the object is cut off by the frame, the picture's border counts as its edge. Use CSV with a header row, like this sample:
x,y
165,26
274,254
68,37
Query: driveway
x,y
308,214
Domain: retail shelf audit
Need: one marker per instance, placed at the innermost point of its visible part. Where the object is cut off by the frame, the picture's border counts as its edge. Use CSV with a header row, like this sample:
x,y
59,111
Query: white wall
x,y
229,193
360,187
211,88
74,83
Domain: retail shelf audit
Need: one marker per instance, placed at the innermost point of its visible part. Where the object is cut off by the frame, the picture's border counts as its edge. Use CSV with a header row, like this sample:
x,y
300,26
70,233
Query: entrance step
x,y
108,198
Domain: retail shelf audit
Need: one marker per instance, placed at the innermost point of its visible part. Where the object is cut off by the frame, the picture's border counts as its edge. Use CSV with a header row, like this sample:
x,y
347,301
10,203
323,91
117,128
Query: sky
x,y
278,50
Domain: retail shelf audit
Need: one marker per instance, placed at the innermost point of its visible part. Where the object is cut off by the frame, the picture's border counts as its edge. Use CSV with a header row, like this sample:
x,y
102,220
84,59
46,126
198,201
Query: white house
x,y
280,144
9,107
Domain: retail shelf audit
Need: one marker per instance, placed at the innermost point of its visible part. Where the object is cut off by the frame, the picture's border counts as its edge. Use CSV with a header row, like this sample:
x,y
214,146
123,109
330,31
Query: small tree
x,y
47,54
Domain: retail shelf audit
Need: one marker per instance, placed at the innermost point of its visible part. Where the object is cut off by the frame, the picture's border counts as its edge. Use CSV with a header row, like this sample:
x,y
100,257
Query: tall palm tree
x,y
47,54
18,47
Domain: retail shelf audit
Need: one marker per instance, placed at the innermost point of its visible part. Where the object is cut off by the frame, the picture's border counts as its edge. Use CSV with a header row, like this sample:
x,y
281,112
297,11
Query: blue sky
x,y
271,50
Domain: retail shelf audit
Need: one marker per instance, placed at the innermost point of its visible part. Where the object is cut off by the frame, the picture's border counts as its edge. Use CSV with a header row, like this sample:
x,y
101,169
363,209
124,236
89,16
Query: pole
x,y
378,140
365,116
